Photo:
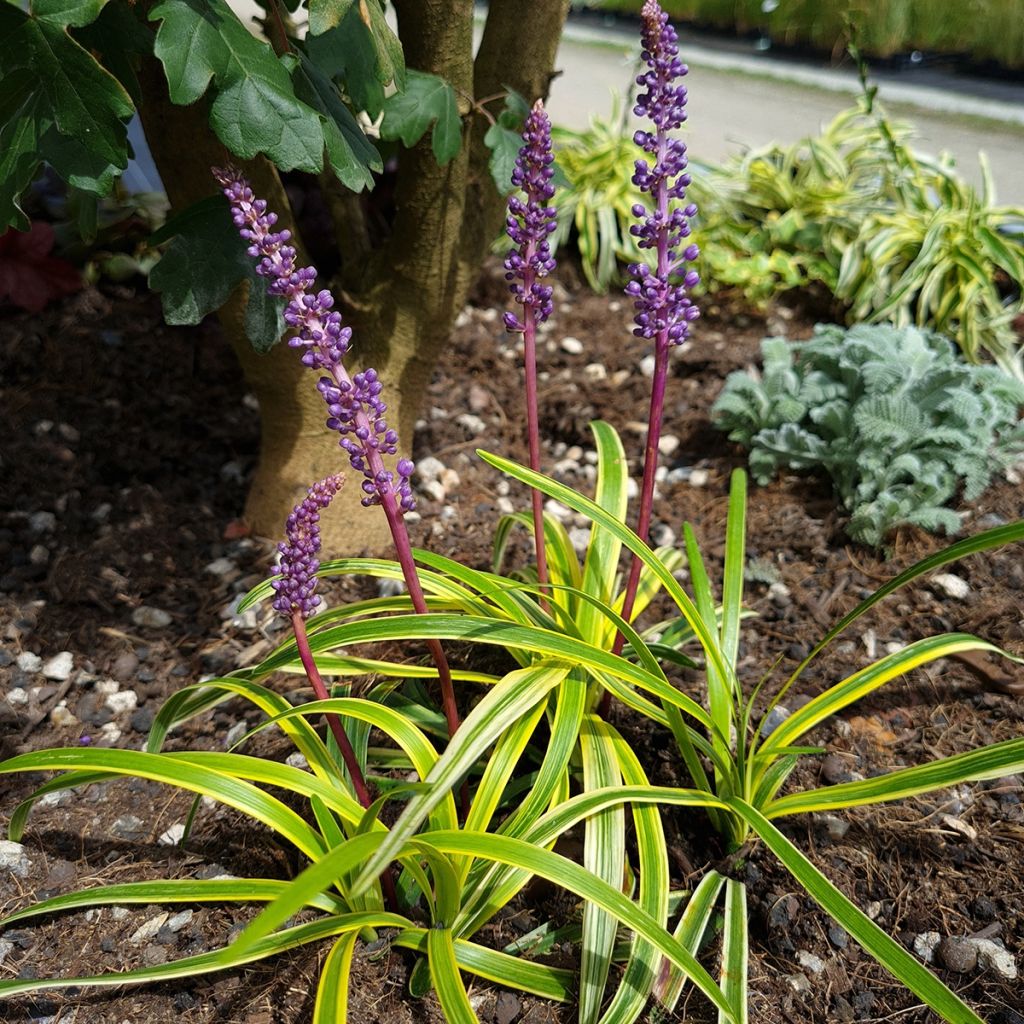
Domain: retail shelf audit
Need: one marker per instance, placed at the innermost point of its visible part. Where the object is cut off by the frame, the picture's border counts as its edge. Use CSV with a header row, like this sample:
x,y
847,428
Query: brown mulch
x,y
139,439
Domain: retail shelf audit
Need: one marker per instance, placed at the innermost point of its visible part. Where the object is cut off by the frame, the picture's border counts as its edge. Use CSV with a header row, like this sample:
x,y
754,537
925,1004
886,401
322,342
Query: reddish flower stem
x,y
348,754
533,424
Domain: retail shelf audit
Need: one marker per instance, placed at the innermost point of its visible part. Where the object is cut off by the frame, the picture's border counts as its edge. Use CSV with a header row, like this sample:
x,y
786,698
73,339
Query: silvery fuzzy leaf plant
x,y
900,424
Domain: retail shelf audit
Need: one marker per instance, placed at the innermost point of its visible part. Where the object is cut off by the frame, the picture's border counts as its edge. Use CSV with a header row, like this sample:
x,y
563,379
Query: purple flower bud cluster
x,y
299,562
355,408
663,307
344,400
530,223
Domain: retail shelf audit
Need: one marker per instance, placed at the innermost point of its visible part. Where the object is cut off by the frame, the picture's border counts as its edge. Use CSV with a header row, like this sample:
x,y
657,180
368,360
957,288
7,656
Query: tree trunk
x,y
402,298
296,448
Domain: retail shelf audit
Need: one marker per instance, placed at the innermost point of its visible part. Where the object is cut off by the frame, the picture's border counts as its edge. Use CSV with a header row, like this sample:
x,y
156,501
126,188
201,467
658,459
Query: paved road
x,y
739,100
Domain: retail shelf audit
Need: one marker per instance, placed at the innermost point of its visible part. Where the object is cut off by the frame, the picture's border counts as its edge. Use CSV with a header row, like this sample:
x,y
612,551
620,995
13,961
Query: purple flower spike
x,y
355,408
299,562
663,308
529,223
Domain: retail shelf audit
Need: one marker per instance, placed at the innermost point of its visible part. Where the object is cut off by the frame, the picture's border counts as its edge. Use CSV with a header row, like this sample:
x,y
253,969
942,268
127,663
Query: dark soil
x,y
139,440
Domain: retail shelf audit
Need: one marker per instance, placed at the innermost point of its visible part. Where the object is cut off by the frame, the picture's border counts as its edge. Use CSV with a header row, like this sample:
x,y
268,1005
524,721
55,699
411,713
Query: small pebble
x,y
29,662
221,567
809,962
297,760
235,733
13,858
59,667
595,372
123,701
17,697
647,366
799,984
667,444
150,618
774,719
148,930
952,585
835,826
429,468
956,954
39,555
573,346
698,477
6,947
129,827
996,958
926,944
471,423
42,522
62,718
173,835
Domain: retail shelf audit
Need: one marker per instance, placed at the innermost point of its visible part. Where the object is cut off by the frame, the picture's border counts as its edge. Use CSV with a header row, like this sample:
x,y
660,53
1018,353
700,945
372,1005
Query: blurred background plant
x,y
984,30
895,236
900,424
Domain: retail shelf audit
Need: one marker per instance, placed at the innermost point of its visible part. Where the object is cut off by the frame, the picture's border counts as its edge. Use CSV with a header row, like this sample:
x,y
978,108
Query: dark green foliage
x,y
204,264
898,421
426,101
57,104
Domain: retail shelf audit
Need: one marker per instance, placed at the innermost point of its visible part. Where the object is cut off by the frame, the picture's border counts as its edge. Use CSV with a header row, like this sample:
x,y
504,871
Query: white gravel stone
x,y
17,697
450,480
698,477
647,366
101,513
663,535
6,947
235,733
557,509
13,858
799,984
926,944
297,760
150,618
221,567
429,468
580,537
809,962
996,958
573,346
148,931
39,555
123,701
62,718
667,444
504,506
471,423
42,522
390,588
178,921
595,371
29,662
59,667
952,585
109,733
173,835
433,489
58,799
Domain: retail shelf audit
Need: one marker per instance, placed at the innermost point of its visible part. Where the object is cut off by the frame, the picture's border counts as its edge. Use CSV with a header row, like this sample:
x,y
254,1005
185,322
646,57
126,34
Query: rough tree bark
x,y
402,296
